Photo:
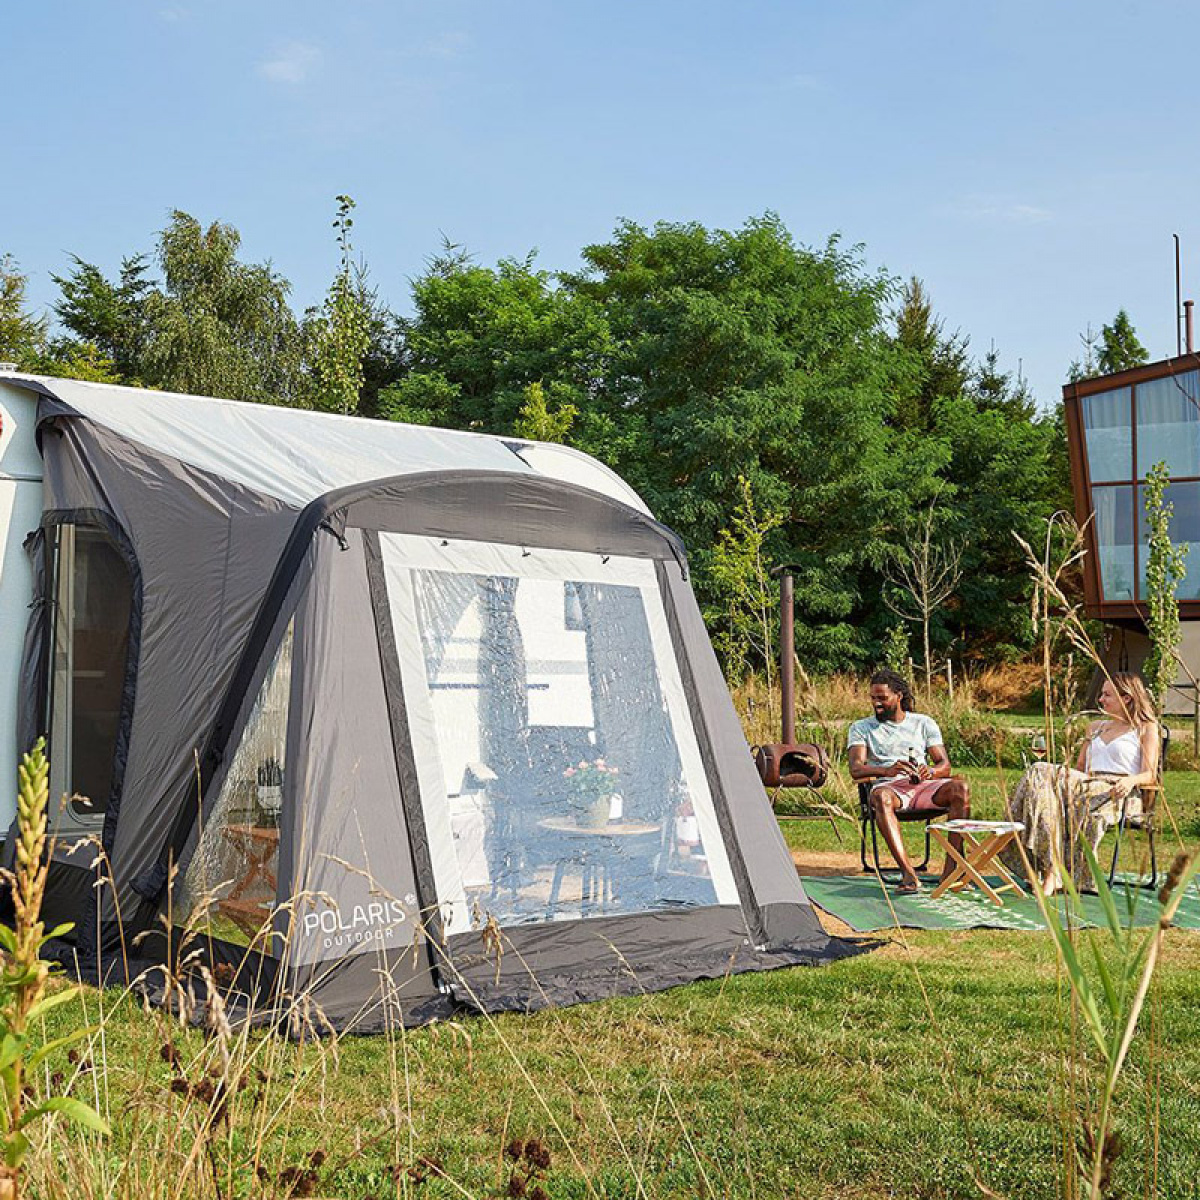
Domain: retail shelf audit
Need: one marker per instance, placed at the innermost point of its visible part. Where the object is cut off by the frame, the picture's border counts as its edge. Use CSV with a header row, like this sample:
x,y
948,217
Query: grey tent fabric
x,y
206,549
779,912
267,547
344,845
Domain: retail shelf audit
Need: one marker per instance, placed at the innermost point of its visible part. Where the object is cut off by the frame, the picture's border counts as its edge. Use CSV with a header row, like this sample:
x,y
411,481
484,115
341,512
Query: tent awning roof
x,y
297,455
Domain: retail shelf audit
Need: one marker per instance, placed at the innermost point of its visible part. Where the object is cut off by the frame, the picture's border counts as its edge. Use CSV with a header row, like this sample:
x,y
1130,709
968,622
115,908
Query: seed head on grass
x,y
1174,875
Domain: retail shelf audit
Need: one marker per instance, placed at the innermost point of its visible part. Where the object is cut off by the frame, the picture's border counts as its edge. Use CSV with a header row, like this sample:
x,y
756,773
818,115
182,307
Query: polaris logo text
x,y
373,922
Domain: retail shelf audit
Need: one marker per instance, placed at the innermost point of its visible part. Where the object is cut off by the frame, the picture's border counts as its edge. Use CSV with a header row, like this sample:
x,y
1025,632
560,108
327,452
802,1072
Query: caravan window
x,y
93,604
559,770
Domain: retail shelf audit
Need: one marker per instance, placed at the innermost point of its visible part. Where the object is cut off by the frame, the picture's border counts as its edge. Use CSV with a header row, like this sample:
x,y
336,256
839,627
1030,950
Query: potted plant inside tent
x,y
592,788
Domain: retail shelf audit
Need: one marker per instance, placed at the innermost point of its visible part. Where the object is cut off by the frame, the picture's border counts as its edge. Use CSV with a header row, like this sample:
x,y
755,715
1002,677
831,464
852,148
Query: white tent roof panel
x,y
298,455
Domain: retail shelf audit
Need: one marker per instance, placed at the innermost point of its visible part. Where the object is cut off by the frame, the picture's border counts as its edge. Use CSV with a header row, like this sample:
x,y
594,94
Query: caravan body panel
x,y
20,512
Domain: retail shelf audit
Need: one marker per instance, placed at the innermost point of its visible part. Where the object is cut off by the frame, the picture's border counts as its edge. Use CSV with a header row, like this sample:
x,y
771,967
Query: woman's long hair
x,y
1139,708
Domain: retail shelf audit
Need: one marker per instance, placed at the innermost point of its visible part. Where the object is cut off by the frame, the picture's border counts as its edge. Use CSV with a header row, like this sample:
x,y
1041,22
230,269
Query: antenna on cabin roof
x,y
1178,299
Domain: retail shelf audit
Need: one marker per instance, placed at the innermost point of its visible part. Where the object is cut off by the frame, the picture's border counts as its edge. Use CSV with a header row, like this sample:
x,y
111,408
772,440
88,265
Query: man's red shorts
x,y
915,797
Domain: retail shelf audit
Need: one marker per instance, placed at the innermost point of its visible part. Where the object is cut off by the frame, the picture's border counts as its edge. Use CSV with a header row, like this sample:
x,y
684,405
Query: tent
x,y
391,718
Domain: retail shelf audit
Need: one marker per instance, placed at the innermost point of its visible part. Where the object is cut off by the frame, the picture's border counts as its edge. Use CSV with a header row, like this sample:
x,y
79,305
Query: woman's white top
x,y
1121,756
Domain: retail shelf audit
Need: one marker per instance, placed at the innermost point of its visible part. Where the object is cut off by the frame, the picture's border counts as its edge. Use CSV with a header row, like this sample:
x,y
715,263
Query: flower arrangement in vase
x,y
592,788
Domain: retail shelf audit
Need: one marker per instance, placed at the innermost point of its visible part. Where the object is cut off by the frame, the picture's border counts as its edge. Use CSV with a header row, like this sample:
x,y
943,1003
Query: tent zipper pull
x,y
341,541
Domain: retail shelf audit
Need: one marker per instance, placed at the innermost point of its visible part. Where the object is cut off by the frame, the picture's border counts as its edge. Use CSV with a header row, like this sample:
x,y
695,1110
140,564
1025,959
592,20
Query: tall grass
x,y
24,975
1106,998
205,1104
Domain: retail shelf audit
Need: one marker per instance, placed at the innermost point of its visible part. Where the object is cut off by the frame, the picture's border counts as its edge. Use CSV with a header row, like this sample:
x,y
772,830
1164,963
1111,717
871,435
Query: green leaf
x,y
44,1005
1110,991
1133,963
43,1052
1104,893
1078,977
9,1081
58,931
8,939
10,1050
72,1109
16,1146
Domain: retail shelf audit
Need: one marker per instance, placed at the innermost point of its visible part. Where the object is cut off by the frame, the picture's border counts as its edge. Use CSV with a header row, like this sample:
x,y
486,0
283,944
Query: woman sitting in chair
x,y
1061,808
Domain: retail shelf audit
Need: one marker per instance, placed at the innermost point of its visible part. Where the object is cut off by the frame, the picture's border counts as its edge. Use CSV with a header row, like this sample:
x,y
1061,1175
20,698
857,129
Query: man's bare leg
x,y
954,796
885,802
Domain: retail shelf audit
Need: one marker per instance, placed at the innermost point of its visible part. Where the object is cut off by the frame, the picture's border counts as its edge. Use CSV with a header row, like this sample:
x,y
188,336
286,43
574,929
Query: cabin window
x,y
1114,537
1126,432
1168,424
1108,429
1184,499
93,605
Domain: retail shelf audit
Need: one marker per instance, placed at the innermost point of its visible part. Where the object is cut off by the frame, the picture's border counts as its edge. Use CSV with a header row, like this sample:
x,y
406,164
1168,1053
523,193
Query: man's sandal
x,y
908,889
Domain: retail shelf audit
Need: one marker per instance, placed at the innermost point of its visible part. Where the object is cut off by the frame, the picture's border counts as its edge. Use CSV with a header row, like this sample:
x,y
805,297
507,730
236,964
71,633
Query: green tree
x,y
937,365
994,389
1089,364
25,338
537,423
342,333
923,575
218,326
1002,477
741,354
995,462
109,315
743,604
22,335
1119,346
480,336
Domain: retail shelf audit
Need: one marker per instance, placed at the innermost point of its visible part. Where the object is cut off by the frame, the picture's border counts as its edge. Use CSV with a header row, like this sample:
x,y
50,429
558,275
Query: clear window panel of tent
x,y
229,889
1113,508
92,612
1184,499
573,781
1168,425
1108,435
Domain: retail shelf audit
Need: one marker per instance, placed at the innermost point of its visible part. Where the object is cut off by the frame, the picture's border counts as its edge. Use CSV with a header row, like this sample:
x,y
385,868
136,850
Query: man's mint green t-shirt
x,y
890,742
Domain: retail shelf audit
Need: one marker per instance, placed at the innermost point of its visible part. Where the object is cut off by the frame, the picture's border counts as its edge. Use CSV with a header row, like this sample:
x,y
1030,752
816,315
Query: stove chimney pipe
x,y
1187,324
787,655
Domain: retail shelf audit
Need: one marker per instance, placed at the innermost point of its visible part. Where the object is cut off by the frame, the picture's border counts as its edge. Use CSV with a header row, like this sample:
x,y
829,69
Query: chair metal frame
x,y
867,817
1147,821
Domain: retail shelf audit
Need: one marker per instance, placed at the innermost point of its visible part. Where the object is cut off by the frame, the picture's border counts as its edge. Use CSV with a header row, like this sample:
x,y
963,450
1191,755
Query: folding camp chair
x,y
1146,820
867,817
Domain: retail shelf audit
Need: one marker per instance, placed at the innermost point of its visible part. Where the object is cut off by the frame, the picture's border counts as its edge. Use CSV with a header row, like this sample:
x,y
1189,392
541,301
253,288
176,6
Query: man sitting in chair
x,y
901,754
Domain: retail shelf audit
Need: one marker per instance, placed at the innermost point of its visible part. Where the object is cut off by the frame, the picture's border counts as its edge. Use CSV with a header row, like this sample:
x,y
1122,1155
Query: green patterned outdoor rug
x,y
861,903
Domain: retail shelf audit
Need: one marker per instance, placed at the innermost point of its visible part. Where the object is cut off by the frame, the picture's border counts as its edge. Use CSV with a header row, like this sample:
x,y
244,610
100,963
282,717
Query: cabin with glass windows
x,y
1118,427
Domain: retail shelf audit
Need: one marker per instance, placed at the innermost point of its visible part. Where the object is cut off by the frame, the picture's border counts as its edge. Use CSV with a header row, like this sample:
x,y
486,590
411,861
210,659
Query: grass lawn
x,y
801,1083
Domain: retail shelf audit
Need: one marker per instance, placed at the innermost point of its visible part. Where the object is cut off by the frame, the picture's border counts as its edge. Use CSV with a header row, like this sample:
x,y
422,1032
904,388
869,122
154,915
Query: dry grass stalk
x,y
1106,1010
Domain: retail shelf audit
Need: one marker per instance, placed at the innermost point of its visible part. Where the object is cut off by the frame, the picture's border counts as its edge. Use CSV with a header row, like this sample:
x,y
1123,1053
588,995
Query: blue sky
x,y
1029,161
